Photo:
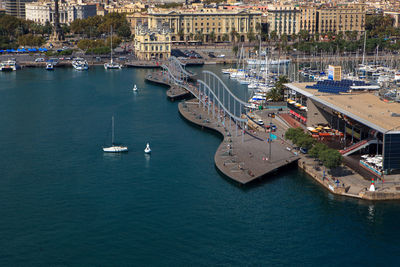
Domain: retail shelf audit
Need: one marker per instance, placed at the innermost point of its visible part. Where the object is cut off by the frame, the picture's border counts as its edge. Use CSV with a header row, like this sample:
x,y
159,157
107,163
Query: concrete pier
x,y
242,156
174,92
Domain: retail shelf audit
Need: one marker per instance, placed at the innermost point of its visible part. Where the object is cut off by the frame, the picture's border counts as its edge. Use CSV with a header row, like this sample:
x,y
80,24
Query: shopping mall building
x,y
354,117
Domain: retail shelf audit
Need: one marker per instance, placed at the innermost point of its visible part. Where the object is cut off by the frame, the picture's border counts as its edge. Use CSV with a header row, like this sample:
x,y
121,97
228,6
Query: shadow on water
x,y
263,180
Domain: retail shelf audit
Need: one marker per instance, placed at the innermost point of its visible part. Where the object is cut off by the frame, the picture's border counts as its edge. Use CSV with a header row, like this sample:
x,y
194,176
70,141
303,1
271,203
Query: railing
x,y
212,94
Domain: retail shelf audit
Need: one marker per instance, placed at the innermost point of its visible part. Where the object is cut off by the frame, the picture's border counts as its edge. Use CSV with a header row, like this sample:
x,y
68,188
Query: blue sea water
x,y
63,202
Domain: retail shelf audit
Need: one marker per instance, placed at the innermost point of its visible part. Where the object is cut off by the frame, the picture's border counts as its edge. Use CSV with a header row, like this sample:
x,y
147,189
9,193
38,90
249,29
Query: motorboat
x,y
49,66
112,65
80,64
228,71
134,88
9,65
147,150
114,148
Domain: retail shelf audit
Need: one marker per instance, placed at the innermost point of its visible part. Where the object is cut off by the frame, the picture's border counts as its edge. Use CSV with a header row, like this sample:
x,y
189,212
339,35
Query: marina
x,y
128,201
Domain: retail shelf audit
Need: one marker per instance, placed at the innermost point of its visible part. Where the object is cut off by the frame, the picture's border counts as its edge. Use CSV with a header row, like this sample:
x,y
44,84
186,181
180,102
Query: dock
x,y
144,64
174,92
242,157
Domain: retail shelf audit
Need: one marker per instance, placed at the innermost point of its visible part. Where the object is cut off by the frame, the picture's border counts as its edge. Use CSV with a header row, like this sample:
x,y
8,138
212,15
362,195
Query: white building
x,y
42,12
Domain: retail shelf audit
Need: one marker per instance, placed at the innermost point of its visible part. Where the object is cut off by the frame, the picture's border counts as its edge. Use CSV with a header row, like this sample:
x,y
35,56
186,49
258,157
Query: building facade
x,y
152,44
309,19
43,12
341,19
289,19
395,15
283,19
206,24
16,8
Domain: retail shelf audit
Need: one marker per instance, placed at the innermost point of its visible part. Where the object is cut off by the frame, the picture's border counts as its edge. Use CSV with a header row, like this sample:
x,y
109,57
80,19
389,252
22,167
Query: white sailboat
x,y
112,64
135,88
147,150
114,148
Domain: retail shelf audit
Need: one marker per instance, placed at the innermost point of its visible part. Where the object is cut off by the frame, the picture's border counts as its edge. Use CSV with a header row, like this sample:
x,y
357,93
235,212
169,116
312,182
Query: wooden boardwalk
x,y
240,158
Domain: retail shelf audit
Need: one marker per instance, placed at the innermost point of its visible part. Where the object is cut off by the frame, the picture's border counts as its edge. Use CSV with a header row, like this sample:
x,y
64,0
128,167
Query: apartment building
x,y
16,8
283,19
41,12
286,19
209,23
342,18
308,19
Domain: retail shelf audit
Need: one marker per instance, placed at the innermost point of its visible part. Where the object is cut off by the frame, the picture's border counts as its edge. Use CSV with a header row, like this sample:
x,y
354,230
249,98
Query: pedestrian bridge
x,y
212,93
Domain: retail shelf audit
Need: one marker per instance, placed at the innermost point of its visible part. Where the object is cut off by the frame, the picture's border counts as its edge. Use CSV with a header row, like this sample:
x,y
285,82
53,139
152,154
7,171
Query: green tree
x,y
316,150
331,158
124,31
235,49
305,141
250,35
276,93
233,35
181,34
293,134
304,35
30,40
273,36
116,41
212,37
225,37
199,36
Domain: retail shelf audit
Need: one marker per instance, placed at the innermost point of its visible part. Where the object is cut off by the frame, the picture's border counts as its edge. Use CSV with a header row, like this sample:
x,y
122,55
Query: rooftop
x,y
362,106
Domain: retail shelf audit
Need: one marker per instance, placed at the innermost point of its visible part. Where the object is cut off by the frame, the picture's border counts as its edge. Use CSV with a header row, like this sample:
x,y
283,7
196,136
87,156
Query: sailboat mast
x,y
111,47
365,41
112,135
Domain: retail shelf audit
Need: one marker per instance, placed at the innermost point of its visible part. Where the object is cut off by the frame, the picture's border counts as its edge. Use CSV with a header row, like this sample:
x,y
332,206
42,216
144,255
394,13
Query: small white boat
x,y
49,66
134,88
114,148
147,150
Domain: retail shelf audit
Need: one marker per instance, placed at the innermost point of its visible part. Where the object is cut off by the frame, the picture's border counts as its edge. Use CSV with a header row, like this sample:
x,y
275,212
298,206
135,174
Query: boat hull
x,y
115,149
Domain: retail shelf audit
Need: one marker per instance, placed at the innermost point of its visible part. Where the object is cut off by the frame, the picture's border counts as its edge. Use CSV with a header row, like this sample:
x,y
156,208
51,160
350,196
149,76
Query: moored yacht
x,y
80,64
49,66
9,65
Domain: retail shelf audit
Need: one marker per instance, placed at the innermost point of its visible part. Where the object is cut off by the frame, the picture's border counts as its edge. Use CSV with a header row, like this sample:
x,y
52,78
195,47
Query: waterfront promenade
x,y
243,156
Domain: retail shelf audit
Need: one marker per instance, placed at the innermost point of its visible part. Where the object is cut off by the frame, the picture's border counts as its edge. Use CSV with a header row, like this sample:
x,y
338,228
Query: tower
x,y
58,34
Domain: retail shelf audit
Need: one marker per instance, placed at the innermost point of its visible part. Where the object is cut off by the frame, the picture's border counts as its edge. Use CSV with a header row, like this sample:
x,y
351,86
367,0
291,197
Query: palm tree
x,y
250,35
273,36
276,93
199,36
181,34
212,37
233,35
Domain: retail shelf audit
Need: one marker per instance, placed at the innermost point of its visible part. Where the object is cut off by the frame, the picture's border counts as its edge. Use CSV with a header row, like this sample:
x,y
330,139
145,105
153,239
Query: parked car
x,y
221,56
211,55
260,122
303,150
40,59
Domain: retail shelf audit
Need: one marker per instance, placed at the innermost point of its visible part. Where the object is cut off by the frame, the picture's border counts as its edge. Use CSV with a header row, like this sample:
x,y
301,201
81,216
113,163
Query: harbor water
x,y
63,202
